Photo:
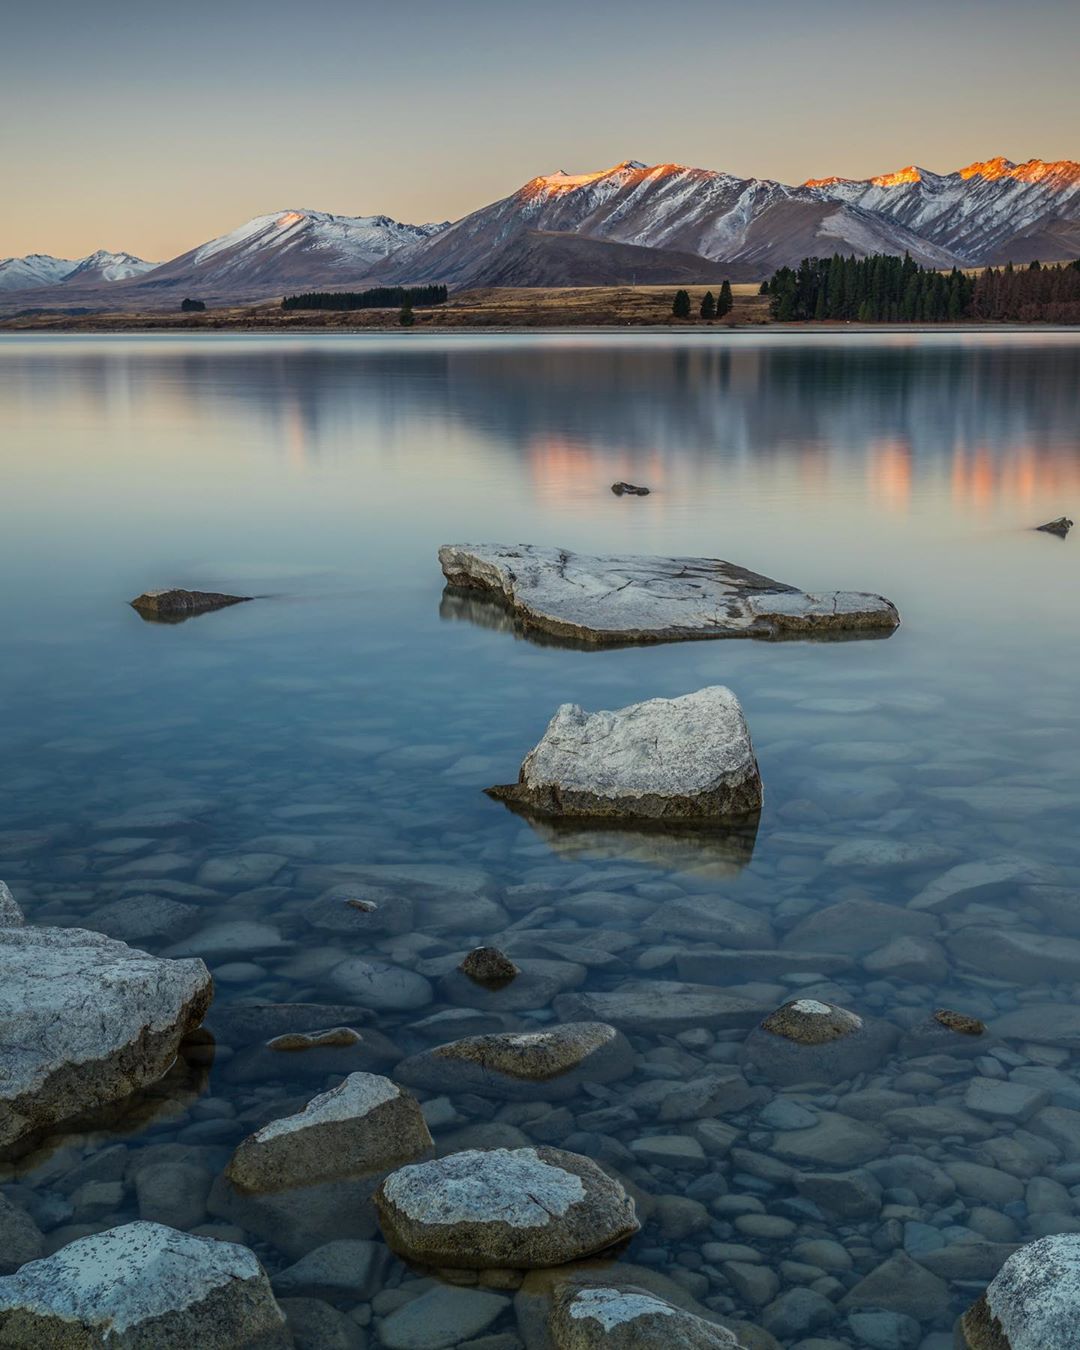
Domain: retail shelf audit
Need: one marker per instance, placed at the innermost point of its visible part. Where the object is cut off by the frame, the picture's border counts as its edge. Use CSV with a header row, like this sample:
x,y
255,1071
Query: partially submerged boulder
x,y
365,1125
588,1316
488,965
600,599
621,489
1061,526
1033,1303
510,1208
543,1065
688,760
807,1040
86,1021
142,1287
11,916
171,606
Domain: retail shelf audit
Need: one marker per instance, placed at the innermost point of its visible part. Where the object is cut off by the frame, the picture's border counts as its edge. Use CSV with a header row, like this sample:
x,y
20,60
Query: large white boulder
x,y
512,1208
626,598
142,1287
587,1316
84,1021
1032,1303
667,759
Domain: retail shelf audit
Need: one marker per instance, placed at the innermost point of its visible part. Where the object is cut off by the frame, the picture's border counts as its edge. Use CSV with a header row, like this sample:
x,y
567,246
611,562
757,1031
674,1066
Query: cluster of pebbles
x,y
829,1102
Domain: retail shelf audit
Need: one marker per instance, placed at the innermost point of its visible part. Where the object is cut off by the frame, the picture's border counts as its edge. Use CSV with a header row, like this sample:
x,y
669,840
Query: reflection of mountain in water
x,y
913,407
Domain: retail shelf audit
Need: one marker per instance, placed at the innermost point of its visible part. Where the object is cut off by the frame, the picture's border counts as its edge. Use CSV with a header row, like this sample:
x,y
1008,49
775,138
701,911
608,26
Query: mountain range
x,y
634,222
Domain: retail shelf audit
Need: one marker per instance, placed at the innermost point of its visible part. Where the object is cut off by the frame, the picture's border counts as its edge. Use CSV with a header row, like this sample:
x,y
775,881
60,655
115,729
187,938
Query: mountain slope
x,y
973,212
548,258
106,266
36,269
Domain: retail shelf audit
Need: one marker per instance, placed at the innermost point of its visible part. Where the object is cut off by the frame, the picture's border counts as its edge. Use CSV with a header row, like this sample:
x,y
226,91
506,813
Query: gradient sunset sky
x,y
153,127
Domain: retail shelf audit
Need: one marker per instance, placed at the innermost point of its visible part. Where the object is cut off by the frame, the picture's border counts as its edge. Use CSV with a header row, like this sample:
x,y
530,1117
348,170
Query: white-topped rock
x,y
524,1065
364,1125
807,1040
11,916
513,1208
619,598
142,1287
1033,1303
85,1021
625,1317
667,759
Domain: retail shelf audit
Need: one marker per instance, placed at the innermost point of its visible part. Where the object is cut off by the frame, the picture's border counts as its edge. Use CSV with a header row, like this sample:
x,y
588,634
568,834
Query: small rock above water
x,y
1033,1303
641,599
173,606
1061,526
629,490
364,1125
139,1286
625,1317
530,1065
488,965
86,1020
678,759
807,1040
512,1208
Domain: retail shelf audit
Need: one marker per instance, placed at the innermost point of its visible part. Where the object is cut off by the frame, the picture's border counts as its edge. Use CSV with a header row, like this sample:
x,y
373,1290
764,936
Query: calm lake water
x,y
349,719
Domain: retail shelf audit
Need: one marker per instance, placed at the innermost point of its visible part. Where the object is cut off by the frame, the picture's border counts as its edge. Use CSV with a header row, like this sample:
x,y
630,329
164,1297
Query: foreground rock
x,y
488,965
625,1317
641,599
524,1066
1061,526
364,1125
513,1208
809,1041
1033,1303
175,605
621,489
142,1287
679,759
86,1020
11,916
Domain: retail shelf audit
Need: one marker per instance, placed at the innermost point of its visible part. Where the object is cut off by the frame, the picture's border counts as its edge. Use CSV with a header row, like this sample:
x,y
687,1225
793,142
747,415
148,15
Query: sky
x,y
152,127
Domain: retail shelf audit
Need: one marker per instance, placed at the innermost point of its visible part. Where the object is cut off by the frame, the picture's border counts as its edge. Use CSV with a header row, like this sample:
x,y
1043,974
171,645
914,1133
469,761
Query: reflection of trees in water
x,y
761,400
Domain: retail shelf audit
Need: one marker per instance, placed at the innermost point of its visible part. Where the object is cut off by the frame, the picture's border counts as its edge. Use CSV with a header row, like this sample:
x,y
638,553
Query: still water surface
x,y
352,716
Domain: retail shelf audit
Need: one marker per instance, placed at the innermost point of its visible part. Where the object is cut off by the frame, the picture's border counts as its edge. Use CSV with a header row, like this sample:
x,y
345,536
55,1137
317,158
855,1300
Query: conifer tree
x,y
406,318
726,301
680,307
708,306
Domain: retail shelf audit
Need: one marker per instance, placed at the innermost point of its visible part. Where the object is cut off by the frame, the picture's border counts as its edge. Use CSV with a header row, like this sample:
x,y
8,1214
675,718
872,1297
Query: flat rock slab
x,y
612,598
524,1066
174,606
364,1125
625,1317
511,1208
140,1286
84,1021
685,760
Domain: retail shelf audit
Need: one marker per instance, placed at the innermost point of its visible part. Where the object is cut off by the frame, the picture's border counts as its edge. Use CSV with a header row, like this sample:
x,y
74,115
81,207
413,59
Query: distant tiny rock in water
x,y
629,490
181,604
1060,527
488,965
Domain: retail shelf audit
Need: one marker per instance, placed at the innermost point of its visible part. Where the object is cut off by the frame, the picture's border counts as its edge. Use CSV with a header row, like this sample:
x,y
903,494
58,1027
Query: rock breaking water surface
x,y
218,787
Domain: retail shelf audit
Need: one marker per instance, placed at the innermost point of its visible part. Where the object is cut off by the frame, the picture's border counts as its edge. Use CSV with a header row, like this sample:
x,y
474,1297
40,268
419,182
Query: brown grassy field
x,y
493,307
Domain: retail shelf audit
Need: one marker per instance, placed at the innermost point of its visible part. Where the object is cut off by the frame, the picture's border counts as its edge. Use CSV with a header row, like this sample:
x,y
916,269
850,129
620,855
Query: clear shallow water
x,y
351,717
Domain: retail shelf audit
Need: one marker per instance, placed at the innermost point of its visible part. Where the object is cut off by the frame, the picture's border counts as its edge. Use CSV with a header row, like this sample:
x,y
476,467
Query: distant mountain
x,y
683,224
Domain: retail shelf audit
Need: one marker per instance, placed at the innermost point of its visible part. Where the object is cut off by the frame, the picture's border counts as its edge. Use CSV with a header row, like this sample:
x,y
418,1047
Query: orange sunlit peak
x,y
998,167
289,218
909,175
826,182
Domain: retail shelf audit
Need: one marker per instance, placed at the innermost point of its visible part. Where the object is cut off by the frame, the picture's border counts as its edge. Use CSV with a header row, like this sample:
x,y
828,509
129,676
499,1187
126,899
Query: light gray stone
x,y
441,1317
985,879
642,599
511,1208
86,1020
347,1270
661,1006
835,1141
715,918
854,927
808,1040
1017,954
366,1124
1042,1023
586,1316
1033,1303
381,985
901,1285
142,1287
11,916
684,759
1002,1100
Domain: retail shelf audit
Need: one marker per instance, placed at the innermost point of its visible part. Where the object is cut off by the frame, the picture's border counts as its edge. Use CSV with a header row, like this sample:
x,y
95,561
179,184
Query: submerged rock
x,y
173,606
1061,526
141,1286
679,759
364,1125
11,916
807,1040
641,599
511,1208
524,1066
629,490
625,1317
86,1020
1033,1303
488,965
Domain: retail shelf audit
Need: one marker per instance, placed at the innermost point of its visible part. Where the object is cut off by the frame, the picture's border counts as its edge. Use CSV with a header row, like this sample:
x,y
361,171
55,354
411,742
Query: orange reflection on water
x,y
890,473
563,471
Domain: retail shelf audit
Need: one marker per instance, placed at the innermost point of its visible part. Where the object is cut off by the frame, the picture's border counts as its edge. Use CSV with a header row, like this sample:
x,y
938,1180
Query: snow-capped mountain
x,y
36,269
106,266
981,212
751,224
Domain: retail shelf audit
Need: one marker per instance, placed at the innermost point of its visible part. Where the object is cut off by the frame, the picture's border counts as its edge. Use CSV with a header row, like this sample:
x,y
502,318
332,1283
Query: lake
x,y
341,729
